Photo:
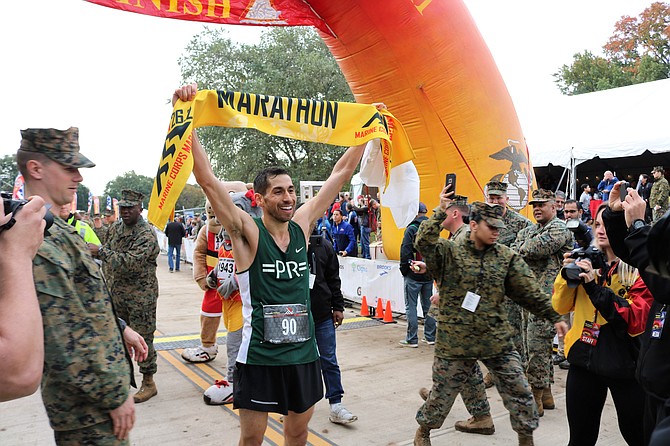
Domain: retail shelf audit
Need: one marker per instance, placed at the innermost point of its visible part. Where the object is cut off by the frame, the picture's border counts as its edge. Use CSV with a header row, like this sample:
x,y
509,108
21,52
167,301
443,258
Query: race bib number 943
x,y
285,324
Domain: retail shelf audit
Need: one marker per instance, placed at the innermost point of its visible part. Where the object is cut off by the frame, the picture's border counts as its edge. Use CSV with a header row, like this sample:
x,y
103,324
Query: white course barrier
x,y
373,279
187,246
360,277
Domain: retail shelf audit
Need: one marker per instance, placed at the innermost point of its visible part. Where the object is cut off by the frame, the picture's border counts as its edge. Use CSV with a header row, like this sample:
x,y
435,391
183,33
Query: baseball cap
x,y
490,213
130,198
541,196
496,188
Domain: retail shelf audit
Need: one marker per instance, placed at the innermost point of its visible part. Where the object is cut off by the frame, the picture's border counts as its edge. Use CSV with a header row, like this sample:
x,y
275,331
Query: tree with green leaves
x,y
8,172
288,61
129,180
82,197
191,197
637,52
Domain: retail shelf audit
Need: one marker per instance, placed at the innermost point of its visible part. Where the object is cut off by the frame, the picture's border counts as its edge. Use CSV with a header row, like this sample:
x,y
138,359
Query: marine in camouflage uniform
x,y
456,226
514,223
542,246
659,193
129,264
477,265
496,193
474,393
102,231
87,369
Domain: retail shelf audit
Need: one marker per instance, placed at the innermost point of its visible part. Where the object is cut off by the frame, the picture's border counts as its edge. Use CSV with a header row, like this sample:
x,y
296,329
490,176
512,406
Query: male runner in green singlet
x,y
277,367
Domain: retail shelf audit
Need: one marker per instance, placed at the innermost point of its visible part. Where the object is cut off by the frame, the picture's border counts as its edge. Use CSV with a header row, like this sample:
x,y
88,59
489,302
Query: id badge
x,y
471,301
312,279
590,333
657,326
285,324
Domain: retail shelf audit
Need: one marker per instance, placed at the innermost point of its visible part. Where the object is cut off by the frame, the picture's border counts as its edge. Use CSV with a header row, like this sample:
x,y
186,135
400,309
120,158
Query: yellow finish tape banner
x,y
328,122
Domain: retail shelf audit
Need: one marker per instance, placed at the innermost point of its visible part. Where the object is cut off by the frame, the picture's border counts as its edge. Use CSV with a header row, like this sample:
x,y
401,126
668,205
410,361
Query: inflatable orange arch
x,y
427,61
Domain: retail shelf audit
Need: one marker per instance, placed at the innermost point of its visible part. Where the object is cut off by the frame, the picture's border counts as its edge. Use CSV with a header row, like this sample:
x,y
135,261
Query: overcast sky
x,y
111,73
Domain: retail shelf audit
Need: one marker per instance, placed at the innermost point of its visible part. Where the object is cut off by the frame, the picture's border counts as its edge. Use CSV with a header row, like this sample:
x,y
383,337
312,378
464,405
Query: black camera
x,y
315,240
580,231
11,207
571,271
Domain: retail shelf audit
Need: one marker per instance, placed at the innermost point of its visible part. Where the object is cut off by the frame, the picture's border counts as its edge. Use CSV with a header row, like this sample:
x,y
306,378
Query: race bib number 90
x,y
285,324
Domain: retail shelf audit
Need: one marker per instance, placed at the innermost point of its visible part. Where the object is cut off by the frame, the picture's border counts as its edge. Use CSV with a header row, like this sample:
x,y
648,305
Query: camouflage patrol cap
x,y
658,169
108,212
496,188
542,196
130,198
61,146
490,213
458,200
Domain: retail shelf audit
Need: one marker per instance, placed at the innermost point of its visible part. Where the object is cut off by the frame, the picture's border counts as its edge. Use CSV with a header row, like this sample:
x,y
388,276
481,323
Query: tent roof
x,y
612,123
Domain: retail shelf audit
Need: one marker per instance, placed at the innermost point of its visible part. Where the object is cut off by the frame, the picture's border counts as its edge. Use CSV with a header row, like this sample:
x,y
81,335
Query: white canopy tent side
x,y
616,123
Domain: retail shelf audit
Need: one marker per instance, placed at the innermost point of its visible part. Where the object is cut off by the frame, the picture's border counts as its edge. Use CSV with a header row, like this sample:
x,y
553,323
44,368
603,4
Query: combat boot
x,y
548,399
147,390
482,424
537,395
488,381
526,440
422,437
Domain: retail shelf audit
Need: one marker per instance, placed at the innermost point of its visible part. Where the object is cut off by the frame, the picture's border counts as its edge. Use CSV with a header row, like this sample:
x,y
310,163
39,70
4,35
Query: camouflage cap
x,y
496,188
490,213
542,196
457,200
108,212
130,198
61,146
658,169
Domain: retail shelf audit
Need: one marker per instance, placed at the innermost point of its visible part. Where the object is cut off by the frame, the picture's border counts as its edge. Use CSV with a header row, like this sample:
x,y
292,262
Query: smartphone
x,y
623,190
451,180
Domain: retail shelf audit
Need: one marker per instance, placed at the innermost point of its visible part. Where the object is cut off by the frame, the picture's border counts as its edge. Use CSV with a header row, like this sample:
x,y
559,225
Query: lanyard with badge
x,y
471,300
657,325
591,331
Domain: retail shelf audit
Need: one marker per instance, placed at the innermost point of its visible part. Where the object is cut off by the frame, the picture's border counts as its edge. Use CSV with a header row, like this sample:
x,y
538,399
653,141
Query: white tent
x,y
614,123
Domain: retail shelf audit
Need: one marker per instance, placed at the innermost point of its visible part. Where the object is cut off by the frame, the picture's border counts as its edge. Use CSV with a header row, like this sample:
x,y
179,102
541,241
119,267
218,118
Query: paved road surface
x,y
381,380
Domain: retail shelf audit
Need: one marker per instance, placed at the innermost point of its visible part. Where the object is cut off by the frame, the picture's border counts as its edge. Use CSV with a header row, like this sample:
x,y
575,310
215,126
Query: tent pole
x,y
565,170
573,175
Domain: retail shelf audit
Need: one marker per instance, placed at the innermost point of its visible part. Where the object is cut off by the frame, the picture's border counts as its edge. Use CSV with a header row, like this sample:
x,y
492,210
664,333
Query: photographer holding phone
x,y
636,243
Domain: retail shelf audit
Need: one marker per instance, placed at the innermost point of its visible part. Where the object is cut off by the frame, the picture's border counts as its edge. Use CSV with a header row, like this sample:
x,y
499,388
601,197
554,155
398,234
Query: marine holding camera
x,y
611,304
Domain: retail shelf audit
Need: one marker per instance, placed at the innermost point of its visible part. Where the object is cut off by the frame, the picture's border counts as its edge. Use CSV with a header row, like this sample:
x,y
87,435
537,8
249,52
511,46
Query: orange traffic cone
x,y
379,313
388,314
365,310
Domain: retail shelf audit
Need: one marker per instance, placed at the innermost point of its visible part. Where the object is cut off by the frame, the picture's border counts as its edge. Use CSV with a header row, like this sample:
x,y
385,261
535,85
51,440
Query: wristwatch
x,y
637,224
